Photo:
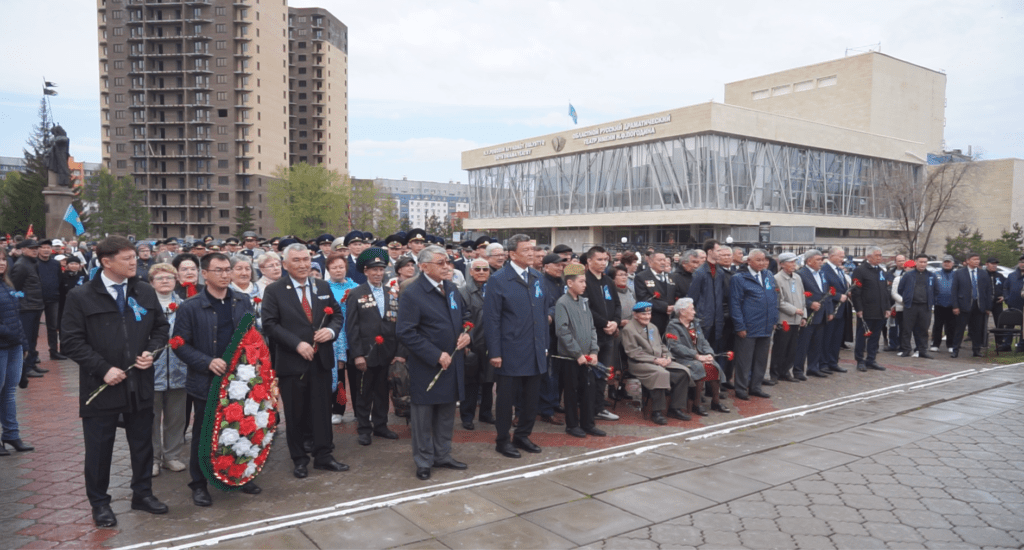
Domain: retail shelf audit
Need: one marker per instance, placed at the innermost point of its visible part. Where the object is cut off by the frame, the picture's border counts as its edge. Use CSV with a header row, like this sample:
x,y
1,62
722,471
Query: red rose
x,y
172,306
807,294
328,311
257,437
259,392
234,412
730,355
222,463
671,336
177,342
785,326
271,418
257,300
247,426
236,471
379,340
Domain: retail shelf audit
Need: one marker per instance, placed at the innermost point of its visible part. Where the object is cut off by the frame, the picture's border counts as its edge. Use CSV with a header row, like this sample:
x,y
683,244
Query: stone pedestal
x,y
57,199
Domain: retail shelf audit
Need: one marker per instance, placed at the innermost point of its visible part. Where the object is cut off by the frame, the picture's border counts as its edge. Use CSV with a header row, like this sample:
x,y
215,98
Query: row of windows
x,y
803,86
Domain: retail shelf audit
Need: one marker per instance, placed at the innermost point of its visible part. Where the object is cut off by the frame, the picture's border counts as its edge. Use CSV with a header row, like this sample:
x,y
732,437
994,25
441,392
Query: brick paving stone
x,y
893,490
668,534
780,496
837,513
866,502
863,543
655,501
947,506
586,521
959,520
745,509
766,540
1005,522
510,533
803,526
986,536
813,542
759,524
827,500
905,504
939,535
890,532
881,516
724,539
787,511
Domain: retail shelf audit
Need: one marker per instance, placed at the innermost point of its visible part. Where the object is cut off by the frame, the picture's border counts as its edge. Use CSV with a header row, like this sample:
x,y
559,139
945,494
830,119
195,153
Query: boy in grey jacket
x,y
576,353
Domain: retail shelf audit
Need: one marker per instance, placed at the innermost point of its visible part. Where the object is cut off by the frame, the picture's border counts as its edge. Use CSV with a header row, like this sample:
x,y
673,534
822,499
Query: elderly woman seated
x,y
689,347
650,361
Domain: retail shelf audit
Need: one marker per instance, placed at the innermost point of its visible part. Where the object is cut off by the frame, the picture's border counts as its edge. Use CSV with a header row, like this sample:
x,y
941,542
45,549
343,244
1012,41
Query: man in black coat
x,y
656,286
607,312
371,313
972,300
25,276
479,374
110,325
872,300
207,322
297,321
683,275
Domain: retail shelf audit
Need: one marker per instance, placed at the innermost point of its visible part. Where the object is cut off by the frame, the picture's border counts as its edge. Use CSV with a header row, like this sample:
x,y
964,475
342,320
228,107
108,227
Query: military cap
x,y
642,307
394,239
325,238
353,236
482,241
416,235
372,257
231,240
468,244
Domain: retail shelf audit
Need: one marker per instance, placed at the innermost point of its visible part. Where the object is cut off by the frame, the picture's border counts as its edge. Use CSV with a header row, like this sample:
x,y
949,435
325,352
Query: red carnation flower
x,y
263,455
177,342
257,437
671,336
868,333
467,326
260,393
831,291
257,300
234,412
587,357
172,307
236,471
247,425
378,340
856,282
807,293
785,326
730,355
328,311
190,289
271,418
657,294
222,463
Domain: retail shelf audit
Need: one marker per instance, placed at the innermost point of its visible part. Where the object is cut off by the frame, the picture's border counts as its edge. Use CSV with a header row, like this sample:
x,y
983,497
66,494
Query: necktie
x,y
758,276
974,284
661,277
440,288
305,305
120,297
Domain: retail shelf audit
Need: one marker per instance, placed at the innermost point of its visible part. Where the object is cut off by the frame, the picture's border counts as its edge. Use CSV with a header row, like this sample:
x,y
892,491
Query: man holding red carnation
x,y
206,323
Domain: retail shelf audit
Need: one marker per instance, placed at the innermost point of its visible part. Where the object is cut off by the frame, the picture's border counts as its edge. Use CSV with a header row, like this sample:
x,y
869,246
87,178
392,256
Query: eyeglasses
x,y
163,279
481,269
220,272
442,262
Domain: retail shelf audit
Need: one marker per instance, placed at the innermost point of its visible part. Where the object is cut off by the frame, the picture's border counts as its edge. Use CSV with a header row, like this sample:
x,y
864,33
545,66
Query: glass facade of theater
x,y
707,171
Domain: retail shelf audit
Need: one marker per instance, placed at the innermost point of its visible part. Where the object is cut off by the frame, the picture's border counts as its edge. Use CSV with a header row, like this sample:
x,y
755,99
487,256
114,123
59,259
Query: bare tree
x,y
919,205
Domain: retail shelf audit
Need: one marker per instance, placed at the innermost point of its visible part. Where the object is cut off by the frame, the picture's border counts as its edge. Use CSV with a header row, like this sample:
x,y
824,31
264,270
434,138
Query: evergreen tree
x,y
244,220
21,204
118,207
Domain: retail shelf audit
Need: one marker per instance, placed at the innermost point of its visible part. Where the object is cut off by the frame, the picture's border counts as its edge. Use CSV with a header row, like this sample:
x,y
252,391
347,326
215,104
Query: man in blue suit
x,y
431,315
754,306
810,343
516,327
835,278
972,300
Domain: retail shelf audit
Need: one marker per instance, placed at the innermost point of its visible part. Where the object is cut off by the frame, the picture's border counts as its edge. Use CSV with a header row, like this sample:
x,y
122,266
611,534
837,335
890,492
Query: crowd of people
x,y
504,334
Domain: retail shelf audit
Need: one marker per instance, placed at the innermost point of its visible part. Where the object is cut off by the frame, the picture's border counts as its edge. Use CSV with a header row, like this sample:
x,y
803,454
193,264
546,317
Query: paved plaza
x,y
926,455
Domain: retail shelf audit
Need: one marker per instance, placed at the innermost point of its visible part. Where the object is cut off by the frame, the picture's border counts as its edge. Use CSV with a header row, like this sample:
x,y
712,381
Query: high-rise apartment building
x,y
196,105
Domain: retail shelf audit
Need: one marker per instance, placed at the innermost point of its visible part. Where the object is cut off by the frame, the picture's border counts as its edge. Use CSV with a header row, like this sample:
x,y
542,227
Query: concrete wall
x,y
993,196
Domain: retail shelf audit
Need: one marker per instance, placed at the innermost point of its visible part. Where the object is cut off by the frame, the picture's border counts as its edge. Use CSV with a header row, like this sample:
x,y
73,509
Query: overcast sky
x,y
428,80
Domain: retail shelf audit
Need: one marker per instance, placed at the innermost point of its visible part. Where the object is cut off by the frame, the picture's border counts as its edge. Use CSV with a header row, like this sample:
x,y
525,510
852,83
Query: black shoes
x,y
861,366
550,419
700,411
954,354
386,434
787,378
977,354
576,432
486,419
423,473
365,439
769,382
330,465
875,366
469,425
728,385
525,444
251,489
837,368
103,516
816,374
201,497
300,471
595,431
742,396
508,450
658,418
58,357
800,377
923,355
720,408
149,504
29,373
452,464
761,394
679,415
19,445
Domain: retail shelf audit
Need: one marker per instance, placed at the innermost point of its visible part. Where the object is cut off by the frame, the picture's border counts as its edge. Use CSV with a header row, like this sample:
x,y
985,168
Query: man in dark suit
x,y
872,300
356,243
295,318
972,300
657,286
810,344
917,290
431,315
516,324
605,308
371,313
833,336
111,324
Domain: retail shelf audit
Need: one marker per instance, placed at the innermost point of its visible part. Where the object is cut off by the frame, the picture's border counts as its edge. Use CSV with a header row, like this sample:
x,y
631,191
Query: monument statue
x,y
56,156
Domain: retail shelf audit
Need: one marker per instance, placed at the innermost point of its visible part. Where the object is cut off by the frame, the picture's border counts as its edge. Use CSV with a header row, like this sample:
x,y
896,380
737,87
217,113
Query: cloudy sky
x,y
428,80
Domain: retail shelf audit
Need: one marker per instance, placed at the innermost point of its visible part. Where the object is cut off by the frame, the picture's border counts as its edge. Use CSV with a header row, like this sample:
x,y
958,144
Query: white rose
x,y
250,469
241,447
253,451
267,439
238,390
251,407
262,418
228,437
245,373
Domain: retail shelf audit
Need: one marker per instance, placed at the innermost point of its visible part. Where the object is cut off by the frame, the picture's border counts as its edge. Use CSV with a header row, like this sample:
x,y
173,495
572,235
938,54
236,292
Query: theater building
x,y
805,150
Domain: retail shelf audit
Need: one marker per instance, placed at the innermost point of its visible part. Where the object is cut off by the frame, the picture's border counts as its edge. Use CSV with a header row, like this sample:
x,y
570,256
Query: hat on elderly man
x,y
642,307
786,257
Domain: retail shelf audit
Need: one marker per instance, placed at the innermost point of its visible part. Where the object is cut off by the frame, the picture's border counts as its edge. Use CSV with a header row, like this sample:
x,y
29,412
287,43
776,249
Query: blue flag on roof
x,y
572,113
71,216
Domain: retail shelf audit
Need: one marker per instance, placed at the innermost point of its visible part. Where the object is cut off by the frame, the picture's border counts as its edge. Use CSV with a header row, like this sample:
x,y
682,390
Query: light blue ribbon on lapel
x,y
17,294
136,308
451,300
536,290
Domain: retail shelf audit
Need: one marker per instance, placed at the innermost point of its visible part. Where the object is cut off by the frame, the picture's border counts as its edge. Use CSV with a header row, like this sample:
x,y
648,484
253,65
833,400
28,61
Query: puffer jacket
x,y
11,334
25,277
169,371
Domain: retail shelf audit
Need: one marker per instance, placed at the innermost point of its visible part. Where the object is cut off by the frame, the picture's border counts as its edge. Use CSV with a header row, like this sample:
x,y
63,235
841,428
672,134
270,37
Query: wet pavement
x,y
925,454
